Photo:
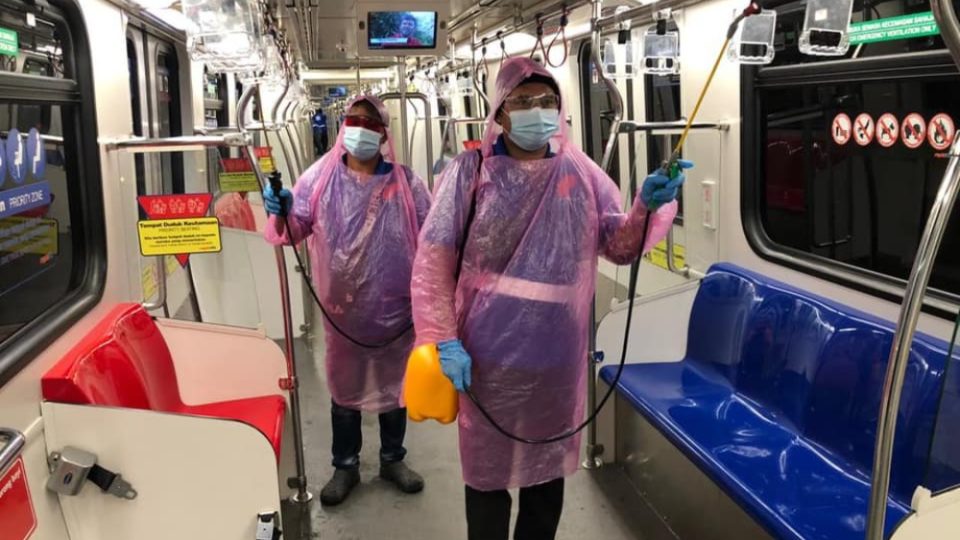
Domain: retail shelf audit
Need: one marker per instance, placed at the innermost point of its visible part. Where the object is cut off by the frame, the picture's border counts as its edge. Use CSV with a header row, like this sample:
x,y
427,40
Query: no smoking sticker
x,y
863,129
914,129
940,132
888,130
840,129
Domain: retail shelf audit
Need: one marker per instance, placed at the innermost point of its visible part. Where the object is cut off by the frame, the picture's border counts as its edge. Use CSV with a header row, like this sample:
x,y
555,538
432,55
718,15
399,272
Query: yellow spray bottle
x,y
427,392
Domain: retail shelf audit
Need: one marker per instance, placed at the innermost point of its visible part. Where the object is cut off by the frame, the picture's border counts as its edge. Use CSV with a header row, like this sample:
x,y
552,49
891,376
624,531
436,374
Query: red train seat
x,y
125,362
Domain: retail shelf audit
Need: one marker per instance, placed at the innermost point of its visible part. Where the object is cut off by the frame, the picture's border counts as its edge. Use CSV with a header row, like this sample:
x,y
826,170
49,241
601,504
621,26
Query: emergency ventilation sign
x,y
910,26
9,42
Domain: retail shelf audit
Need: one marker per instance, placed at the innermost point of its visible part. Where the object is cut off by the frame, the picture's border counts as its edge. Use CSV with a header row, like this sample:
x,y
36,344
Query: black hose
x,y
276,186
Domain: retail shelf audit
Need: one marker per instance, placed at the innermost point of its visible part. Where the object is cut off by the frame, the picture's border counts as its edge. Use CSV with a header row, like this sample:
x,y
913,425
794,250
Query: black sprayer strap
x,y
470,216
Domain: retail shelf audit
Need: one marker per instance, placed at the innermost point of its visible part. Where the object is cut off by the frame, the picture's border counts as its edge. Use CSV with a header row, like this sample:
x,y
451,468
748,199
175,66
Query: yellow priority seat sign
x,y
179,236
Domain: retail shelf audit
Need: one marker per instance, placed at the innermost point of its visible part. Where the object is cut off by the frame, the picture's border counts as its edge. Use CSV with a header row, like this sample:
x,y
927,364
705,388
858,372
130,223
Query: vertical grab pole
x,y
428,113
300,482
305,270
913,301
473,75
404,135
594,450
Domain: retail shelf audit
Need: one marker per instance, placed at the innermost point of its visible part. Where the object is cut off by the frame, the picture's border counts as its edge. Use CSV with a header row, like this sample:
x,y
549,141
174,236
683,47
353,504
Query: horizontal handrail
x,y
179,144
10,451
665,128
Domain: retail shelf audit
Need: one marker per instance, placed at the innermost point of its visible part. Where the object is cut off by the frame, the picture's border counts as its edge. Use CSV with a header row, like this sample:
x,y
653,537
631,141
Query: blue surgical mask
x,y
362,143
531,129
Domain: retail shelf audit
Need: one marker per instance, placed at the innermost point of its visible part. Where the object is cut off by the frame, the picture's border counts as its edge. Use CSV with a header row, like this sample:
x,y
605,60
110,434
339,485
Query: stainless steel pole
x,y
300,482
404,135
594,450
913,302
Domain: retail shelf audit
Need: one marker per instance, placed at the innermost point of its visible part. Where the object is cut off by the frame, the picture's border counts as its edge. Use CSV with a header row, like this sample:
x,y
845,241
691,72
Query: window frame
x,y
906,65
86,205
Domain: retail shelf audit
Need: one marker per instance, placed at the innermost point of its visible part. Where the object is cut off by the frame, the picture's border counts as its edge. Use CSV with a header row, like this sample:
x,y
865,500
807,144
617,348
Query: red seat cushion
x,y
264,413
125,362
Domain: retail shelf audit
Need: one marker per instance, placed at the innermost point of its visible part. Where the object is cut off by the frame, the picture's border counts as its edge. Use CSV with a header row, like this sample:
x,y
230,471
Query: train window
x,y
167,86
841,163
36,247
51,224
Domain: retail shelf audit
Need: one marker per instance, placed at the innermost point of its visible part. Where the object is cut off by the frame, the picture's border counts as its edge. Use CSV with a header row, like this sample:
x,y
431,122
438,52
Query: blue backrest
x,y
818,366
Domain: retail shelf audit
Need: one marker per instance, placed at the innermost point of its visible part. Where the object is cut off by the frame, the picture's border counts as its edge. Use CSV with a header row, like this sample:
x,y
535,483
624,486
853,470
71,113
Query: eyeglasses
x,y
357,120
522,103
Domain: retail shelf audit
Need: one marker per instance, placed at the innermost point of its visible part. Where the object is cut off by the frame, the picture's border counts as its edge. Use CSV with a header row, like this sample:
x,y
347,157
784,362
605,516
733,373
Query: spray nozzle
x,y
276,185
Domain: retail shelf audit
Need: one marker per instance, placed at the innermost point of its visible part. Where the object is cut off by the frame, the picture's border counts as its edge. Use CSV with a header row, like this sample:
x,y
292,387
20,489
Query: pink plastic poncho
x,y
234,211
522,303
362,233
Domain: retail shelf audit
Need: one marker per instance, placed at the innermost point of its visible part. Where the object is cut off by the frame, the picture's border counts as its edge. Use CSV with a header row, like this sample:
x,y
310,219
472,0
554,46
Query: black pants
x,y
347,438
488,513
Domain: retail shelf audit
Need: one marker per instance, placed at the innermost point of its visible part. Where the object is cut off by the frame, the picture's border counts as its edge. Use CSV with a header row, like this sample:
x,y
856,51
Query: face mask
x,y
532,129
362,143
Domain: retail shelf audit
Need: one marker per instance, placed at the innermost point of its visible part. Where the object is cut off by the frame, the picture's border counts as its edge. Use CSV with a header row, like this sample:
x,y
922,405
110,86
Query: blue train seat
x,y
777,402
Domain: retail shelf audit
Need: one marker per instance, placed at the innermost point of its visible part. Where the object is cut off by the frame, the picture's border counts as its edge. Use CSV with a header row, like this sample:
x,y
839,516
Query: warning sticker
x,y
940,132
888,130
27,235
265,159
840,129
914,129
148,281
18,519
237,176
863,129
179,236
658,255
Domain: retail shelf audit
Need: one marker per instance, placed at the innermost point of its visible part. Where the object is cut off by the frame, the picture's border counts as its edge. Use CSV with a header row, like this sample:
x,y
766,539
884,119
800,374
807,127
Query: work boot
x,y
400,475
337,489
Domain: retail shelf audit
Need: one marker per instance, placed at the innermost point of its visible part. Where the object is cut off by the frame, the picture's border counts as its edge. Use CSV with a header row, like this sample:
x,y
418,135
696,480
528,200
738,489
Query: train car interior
x,y
227,227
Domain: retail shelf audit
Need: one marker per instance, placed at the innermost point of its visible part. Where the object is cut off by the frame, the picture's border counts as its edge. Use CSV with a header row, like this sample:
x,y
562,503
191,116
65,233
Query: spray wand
x,y
672,166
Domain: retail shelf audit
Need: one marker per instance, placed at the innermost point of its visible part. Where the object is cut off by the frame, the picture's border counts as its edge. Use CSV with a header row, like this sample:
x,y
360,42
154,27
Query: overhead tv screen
x,y
402,30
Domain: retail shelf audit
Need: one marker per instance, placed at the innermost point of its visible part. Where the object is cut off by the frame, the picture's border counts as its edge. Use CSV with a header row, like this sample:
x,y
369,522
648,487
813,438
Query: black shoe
x,y
400,475
337,489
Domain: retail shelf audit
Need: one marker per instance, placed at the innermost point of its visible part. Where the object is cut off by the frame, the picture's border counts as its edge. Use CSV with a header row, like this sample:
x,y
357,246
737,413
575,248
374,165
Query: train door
x,y
651,110
155,88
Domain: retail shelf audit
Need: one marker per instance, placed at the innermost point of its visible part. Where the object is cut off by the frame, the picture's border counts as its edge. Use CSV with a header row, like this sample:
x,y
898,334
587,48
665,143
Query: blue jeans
x,y
348,439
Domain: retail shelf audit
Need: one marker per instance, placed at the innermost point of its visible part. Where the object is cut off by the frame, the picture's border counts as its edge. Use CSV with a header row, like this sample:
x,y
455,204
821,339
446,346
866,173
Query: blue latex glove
x,y
274,202
455,363
659,189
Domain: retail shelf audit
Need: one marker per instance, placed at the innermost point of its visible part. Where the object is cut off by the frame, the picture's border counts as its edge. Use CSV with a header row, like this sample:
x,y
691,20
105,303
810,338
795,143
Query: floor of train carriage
x,y
598,504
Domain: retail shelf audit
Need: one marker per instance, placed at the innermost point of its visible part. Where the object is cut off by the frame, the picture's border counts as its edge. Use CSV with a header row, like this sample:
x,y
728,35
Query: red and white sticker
x,y
940,132
914,131
863,129
18,519
841,129
888,130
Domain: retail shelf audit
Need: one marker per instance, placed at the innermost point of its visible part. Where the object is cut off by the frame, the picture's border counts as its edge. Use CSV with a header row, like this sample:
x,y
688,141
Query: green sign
x,y
9,44
894,28
238,182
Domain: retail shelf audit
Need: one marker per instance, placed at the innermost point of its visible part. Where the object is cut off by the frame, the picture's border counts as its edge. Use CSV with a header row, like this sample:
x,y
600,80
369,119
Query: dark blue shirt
x,y
500,148
383,166
320,121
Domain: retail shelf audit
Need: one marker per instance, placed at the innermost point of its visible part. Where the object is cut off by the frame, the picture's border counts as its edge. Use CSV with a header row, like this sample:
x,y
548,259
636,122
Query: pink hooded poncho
x,y
362,233
521,305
